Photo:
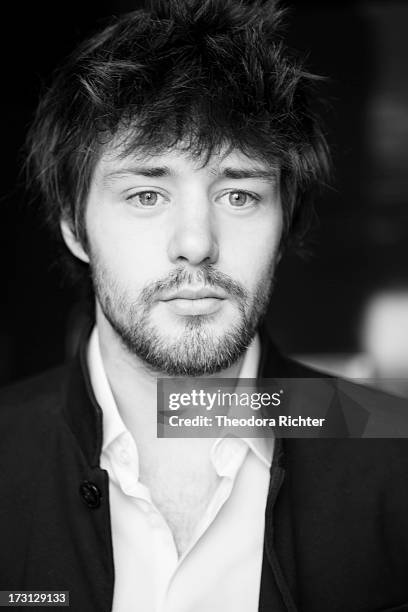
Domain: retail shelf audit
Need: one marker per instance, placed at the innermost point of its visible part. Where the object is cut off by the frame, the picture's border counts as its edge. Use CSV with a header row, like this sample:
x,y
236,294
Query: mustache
x,y
206,275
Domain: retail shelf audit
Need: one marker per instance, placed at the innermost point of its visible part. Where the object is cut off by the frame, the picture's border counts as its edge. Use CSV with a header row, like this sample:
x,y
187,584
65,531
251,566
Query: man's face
x,y
183,254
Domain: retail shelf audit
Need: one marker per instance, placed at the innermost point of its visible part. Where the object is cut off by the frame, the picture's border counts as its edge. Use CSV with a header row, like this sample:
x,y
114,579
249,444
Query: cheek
x,y
128,253
252,248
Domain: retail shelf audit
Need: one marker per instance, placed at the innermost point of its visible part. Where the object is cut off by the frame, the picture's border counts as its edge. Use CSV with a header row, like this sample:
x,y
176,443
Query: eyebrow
x,y
154,172
243,173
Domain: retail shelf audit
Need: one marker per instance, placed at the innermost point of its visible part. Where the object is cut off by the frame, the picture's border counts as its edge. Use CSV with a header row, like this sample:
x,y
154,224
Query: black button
x,y
90,494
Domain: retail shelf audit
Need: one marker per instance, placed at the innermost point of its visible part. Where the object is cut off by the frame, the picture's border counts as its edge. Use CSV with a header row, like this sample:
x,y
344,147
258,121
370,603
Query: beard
x,y
196,350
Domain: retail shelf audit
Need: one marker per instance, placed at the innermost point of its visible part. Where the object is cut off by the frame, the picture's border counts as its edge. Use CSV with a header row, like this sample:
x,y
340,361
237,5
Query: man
x,y
177,154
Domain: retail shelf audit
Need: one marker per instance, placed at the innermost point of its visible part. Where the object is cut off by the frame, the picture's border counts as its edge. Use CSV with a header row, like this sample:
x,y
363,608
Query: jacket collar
x,y
81,410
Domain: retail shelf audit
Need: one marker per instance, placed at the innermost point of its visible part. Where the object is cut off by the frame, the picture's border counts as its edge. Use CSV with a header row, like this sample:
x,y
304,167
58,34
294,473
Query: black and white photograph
x,y
204,313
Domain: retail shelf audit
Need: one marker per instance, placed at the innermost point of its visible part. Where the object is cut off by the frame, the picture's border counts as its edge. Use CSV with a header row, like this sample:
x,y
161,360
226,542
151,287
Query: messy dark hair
x,y
193,73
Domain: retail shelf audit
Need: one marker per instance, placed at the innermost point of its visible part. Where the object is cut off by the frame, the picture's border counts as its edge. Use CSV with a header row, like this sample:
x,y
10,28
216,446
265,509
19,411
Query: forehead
x,y
178,160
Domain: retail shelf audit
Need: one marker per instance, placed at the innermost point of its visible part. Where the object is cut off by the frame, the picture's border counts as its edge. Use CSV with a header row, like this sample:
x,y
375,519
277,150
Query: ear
x,y
72,241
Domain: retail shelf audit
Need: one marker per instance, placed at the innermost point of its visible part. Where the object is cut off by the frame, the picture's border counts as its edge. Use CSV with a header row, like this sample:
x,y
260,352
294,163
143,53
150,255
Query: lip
x,y
192,307
199,293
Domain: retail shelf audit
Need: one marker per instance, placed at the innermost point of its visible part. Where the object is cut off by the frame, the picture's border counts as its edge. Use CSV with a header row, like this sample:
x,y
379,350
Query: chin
x,y
170,325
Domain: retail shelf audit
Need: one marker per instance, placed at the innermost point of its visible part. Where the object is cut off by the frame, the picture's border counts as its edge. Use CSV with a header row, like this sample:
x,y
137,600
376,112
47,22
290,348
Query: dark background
x,y
362,238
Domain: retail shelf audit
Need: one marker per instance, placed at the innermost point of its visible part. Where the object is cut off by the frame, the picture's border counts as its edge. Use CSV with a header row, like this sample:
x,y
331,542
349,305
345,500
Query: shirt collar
x,y
113,425
262,447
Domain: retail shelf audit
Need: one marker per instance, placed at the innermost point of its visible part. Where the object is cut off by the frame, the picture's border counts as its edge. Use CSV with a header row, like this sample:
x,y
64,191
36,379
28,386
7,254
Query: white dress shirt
x,y
221,568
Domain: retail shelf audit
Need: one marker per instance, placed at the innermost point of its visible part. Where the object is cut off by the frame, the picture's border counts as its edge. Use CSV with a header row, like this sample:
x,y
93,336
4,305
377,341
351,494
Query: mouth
x,y
194,293
194,301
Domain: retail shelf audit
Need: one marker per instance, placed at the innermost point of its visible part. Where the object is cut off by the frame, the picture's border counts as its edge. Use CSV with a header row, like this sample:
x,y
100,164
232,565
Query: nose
x,y
193,239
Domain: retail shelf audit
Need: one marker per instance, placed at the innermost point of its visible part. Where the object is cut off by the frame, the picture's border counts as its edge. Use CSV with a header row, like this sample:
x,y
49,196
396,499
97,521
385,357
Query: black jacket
x,y
336,531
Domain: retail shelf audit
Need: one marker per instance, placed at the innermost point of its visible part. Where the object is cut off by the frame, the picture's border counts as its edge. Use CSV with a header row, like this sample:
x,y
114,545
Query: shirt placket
x,y
125,464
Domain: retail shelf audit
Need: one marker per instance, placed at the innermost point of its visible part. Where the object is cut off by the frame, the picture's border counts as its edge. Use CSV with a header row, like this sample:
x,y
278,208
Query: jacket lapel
x,y
278,578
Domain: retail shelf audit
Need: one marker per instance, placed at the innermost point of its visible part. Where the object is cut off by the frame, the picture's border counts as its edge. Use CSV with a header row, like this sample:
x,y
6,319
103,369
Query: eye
x,y
145,199
240,199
